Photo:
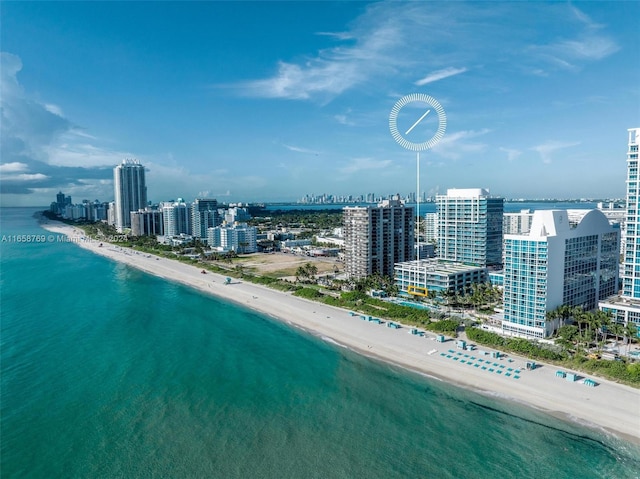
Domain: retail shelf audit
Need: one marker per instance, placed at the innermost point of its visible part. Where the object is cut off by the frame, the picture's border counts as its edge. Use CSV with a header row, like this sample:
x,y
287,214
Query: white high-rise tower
x,y
130,191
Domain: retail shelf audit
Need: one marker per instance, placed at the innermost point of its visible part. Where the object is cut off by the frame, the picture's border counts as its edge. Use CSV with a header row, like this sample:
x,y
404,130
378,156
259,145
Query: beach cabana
x,y
461,344
560,374
571,377
590,382
440,338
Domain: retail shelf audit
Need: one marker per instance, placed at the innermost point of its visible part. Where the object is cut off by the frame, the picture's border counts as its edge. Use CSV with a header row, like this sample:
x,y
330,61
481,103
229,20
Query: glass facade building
x,y
625,307
470,227
130,192
555,264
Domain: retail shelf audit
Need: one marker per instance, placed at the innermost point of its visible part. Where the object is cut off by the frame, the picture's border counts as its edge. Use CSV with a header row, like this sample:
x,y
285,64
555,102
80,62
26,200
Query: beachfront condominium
x,y
557,264
238,237
176,217
147,223
625,307
130,192
204,215
377,237
470,226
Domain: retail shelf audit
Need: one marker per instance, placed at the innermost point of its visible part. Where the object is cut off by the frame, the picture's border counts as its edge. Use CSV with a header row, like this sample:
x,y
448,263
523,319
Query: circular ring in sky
x,y
432,134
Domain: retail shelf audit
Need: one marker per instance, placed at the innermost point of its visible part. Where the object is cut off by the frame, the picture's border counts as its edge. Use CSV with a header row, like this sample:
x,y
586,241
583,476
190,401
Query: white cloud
x,y
67,153
299,149
546,150
584,42
459,144
55,109
25,177
392,40
13,167
357,165
440,75
512,154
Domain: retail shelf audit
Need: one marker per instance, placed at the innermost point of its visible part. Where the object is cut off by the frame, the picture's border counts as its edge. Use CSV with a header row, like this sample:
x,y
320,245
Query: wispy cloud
x,y
585,41
460,143
512,154
546,150
299,149
13,167
25,177
388,42
336,35
357,165
440,75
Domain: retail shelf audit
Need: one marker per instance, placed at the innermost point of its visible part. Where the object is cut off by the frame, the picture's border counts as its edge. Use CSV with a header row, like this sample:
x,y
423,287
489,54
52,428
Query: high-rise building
x,y
557,264
147,223
430,227
236,214
377,237
204,215
176,217
517,223
130,191
625,307
60,200
470,227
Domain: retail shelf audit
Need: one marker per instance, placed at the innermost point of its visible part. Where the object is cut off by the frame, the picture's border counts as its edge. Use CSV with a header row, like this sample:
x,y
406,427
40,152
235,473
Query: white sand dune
x,y
610,406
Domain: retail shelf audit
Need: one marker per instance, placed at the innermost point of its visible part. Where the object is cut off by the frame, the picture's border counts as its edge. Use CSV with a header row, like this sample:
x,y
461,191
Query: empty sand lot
x,y
285,265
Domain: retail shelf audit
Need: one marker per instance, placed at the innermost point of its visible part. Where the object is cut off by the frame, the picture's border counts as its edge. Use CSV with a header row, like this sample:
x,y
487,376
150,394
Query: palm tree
x,y
630,331
312,270
604,322
616,329
301,272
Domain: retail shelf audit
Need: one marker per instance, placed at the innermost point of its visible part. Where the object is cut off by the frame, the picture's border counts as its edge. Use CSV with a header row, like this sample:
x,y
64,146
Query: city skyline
x,y
271,101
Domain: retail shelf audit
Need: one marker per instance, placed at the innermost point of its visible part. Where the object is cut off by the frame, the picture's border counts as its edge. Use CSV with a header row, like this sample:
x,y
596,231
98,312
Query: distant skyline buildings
x,y
129,191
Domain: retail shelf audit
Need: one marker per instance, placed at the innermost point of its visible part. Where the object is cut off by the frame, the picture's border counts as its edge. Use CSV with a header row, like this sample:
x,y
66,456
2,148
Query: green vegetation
x,y
361,303
621,370
315,221
515,345
307,273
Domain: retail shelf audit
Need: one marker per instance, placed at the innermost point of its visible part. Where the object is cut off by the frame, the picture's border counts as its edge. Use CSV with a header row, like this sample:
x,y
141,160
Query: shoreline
x,y
610,407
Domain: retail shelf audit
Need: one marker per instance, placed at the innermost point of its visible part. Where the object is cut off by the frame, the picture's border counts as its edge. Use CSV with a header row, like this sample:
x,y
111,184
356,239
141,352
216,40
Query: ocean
x,y
107,372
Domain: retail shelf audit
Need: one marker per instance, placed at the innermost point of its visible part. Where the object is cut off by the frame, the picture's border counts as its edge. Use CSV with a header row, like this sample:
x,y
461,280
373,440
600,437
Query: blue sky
x,y
268,101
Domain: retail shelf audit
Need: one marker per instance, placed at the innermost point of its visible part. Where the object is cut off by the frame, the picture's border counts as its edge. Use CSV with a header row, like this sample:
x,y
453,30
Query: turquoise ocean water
x,y
108,372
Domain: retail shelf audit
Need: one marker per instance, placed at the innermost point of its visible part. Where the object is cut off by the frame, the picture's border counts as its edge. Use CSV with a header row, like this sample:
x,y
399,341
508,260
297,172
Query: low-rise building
x,y
419,277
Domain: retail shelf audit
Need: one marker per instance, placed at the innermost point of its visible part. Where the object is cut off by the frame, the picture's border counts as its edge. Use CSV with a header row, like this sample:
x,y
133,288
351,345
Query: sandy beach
x,y
610,406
